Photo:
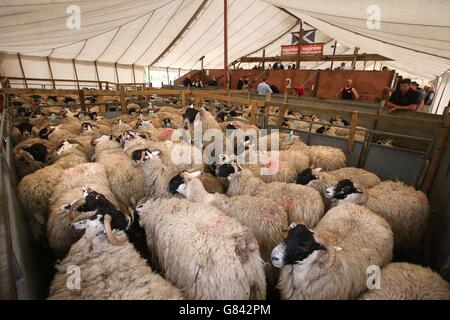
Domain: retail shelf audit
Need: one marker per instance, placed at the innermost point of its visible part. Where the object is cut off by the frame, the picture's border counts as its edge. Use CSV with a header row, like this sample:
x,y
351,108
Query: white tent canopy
x,y
176,33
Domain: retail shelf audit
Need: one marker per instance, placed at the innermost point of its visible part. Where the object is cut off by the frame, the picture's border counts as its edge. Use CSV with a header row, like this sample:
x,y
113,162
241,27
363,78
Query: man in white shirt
x,y
263,88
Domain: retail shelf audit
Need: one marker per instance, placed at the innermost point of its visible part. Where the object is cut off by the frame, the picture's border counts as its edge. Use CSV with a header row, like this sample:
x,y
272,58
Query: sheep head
x,y
301,246
307,176
347,191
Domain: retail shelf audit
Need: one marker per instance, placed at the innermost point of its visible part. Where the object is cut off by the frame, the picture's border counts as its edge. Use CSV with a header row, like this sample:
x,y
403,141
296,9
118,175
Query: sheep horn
x,y
330,250
74,207
85,215
142,156
109,234
365,193
27,156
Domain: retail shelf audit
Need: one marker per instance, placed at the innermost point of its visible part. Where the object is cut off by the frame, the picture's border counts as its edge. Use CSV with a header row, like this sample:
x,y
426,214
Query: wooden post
x,y
123,103
82,98
438,151
253,111
300,41
101,103
23,72
76,74
183,99
355,56
334,52
351,137
98,78
51,73
281,114
225,43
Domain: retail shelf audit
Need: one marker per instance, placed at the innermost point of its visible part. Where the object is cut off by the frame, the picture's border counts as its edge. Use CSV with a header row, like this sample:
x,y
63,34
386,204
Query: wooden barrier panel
x,y
368,84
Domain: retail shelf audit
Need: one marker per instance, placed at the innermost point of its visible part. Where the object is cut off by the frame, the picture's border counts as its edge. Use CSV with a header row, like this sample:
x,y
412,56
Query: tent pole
x,y
225,42
98,78
76,74
300,42
117,76
51,73
134,76
263,62
23,72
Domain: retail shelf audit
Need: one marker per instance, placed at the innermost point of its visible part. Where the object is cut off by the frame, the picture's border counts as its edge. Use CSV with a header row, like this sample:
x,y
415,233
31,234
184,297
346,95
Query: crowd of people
x,y
407,96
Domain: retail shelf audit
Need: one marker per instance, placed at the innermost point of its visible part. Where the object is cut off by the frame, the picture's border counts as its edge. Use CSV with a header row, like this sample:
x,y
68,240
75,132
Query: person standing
x,y
187,82
242,83
421,95
264,88
348,92
404,98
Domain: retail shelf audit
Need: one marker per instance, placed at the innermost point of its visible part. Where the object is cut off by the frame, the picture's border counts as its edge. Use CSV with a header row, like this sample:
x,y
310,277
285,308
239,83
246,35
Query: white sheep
x,y
107,271
331,262
126,178
404,208
262,215
205,253
405,281
301,203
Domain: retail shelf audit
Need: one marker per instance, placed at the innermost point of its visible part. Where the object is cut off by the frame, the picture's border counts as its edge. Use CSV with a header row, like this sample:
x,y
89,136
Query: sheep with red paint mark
x,y
203,252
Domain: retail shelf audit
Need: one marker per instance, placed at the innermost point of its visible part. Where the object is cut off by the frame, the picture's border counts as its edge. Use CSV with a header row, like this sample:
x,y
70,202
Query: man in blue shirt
x,y
263,88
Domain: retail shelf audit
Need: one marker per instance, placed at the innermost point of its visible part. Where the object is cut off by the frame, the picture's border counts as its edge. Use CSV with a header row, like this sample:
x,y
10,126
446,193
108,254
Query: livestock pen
x,y
421,157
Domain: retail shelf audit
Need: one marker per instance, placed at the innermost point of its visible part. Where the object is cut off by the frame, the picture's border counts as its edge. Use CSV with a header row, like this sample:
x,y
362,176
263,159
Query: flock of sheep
x,y
108,197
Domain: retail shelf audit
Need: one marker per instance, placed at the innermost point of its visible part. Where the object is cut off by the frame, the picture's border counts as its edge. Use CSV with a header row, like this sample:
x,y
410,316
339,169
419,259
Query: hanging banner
x,y
313,48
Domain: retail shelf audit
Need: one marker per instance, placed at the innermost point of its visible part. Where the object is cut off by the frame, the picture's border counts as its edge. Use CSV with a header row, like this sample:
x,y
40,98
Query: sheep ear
x,y
155,152
194,174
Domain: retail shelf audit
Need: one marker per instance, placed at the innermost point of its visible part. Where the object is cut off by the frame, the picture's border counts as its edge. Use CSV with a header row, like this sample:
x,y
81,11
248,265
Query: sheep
x,y
331,261
127,180
159,177
300,202
327,158
405,281
23,131
203,252
211,183
195,119
320,180
35,189
65,194
33,154
108,271
263,216
404,208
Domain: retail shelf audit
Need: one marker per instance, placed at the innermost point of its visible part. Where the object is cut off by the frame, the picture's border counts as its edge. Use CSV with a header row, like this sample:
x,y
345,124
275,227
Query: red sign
x,y
313,48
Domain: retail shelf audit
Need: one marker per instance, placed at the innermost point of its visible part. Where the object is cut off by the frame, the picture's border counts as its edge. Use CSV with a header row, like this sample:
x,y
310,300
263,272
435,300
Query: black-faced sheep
x,y
35,190
108,271
33,154
203,252
404,208
320,180
66,193
301,203
331,262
